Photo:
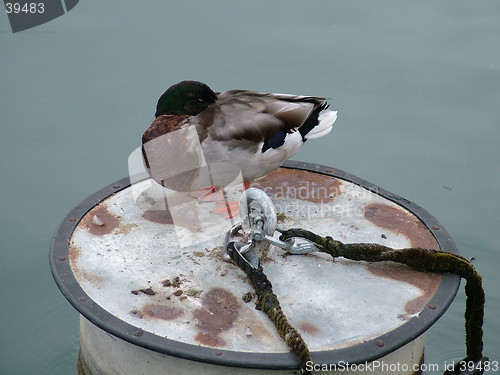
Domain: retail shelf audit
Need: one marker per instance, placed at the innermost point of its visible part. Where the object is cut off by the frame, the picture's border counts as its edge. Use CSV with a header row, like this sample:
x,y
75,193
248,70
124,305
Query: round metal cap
x,y
146,265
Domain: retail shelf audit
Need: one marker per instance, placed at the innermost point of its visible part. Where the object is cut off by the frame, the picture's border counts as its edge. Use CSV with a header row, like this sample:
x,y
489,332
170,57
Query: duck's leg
x,y
229,209
211,193
208,194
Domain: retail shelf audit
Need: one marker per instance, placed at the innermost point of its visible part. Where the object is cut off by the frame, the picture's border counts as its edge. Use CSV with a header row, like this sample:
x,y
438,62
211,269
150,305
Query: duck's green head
x,y
185,98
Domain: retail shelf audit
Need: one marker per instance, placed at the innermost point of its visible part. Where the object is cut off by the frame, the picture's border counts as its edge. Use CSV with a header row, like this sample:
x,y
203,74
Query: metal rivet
x,y
83,299
71,219
328,170
218,353
115,186
436,227
380,343
432,306
139,333
61,259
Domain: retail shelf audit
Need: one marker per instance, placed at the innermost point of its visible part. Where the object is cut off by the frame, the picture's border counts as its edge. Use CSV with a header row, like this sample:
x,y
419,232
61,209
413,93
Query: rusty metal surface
x,y
131,260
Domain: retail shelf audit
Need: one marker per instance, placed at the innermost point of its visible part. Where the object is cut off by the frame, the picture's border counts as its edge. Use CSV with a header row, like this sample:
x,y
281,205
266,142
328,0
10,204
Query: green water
x,y
416,84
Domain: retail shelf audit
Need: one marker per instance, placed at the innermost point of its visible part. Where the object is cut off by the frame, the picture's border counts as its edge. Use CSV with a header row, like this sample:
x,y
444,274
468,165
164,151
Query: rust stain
x,y
162,312
180,207
148,291
309,328
175,282
125,229
217,314
401,222
255,327
217,252
158,216
80,274
104,223
192,259
298,184
426,282
184,216
404,223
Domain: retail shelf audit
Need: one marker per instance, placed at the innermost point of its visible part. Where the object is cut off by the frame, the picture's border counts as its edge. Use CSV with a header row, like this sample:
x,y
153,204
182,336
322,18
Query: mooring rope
x,y
268,302
419,259
424,260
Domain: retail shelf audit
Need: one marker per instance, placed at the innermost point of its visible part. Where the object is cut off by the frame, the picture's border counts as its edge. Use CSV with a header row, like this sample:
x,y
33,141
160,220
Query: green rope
x,y
424,260
268,302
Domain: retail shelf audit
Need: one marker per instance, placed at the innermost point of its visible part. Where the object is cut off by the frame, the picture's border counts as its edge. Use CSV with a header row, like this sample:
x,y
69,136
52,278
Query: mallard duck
x,y
201,138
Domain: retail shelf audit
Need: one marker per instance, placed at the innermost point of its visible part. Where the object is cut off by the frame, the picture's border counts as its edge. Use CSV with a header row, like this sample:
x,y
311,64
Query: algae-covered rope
x,y
268,302
425,260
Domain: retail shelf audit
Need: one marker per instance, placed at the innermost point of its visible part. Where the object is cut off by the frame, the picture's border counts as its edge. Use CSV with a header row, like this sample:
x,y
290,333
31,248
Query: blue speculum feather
x,y
274,142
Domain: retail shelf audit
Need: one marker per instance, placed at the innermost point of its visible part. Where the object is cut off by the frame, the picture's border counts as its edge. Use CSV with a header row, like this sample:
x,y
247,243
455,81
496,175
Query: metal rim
x,y
364,352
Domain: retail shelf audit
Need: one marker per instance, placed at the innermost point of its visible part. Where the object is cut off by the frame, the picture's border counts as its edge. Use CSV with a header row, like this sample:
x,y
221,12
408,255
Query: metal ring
x,y
251,197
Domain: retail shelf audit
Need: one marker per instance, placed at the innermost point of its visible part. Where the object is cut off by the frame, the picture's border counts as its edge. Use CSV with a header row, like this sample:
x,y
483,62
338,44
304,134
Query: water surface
x,y
416,85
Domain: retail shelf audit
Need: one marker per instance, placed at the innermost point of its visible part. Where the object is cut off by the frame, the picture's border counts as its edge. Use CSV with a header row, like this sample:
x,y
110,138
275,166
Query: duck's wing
x,y
260,117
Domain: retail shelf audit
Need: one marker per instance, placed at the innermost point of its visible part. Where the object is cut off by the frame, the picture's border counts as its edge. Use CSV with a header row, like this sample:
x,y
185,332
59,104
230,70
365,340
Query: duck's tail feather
x,y
326,118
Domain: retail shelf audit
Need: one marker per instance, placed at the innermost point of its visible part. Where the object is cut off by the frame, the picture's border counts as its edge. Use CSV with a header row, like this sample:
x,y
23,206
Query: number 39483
x,y
24,8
